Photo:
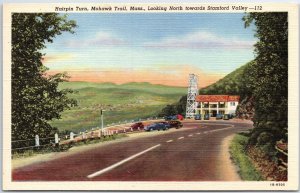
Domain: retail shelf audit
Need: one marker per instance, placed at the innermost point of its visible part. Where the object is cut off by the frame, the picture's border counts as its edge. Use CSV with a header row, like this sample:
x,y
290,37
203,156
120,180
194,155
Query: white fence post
x,y
72,136
37,141
56,139
92,134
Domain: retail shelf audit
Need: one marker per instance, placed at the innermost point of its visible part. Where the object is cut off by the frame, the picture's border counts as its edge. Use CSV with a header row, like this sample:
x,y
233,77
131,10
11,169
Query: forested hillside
x,y
234,83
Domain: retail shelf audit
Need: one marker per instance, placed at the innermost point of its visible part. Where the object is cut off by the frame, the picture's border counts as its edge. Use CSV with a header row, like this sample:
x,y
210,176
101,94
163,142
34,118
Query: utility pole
x,y
101,114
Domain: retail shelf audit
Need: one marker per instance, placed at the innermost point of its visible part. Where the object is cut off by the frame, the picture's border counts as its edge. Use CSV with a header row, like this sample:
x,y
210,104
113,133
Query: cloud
x,y
104,38
201,40
100,39
57,58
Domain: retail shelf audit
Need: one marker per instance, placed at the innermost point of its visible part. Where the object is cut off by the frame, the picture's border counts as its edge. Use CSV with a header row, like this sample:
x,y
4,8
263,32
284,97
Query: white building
x,y
216,104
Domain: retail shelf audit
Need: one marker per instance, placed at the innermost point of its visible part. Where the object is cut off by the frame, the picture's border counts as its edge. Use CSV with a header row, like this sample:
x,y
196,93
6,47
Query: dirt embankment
x,y
268,168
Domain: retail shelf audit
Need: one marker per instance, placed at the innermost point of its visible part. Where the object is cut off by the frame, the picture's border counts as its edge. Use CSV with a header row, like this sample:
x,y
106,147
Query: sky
x,y
156,48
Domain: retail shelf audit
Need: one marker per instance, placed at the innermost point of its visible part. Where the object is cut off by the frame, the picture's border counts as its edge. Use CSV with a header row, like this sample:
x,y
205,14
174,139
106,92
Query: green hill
x,y
121,102
235,83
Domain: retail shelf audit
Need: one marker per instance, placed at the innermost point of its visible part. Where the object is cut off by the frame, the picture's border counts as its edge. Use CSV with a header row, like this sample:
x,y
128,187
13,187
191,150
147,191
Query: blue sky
x,y
167,45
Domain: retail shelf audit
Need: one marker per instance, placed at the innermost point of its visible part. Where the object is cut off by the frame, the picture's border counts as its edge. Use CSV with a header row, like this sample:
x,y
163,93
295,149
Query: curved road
x,y
191,153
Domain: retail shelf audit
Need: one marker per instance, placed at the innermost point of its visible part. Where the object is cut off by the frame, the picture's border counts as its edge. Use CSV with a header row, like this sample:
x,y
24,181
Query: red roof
x,y
233,98
217,98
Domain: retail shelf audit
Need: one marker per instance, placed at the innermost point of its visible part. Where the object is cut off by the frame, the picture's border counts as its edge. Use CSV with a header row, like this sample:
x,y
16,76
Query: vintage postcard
x,y
156,97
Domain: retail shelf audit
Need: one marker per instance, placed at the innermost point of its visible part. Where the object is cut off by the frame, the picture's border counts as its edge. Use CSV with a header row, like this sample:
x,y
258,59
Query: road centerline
x,y
169,141
180,137
121,162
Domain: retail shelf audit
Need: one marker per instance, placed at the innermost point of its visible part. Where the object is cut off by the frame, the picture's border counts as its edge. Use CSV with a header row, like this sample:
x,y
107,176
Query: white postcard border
x,y
293,104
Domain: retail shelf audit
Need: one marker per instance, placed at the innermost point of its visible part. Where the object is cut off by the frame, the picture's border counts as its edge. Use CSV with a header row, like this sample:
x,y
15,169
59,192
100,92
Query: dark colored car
x,y
175,124
231,116
226,117
168,126
219,116
206,117
171,117
155,126
197,117
138,125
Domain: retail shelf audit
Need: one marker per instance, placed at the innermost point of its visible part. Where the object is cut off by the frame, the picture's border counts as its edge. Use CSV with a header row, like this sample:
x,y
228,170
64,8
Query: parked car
x,y
168,126
206,117
180,117
138,125
175,124
231,116
219,116
155,126
226,117
171,117
197,117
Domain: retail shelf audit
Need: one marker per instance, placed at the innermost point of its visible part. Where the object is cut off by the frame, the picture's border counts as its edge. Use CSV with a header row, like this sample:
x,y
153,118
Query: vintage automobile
x,y
170,117
206,117
168,126
175,124
197,117
138,125
231,116
155,126
226,117
180,117
219,116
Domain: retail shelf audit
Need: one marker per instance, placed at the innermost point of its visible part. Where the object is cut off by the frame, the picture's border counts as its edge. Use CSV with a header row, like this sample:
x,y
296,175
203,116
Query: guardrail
x,y
95,133
282,154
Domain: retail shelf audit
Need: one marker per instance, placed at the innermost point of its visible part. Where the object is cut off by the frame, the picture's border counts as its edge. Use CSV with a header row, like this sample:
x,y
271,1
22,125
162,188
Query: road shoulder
x,y
228,170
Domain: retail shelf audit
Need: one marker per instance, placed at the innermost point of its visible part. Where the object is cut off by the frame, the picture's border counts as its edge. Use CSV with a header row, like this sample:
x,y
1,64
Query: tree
x,y
176,108
181,105
36,98
168,110
269,73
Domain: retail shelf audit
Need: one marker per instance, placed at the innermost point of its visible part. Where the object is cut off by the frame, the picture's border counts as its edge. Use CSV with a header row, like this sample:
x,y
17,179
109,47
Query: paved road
x,y
187,154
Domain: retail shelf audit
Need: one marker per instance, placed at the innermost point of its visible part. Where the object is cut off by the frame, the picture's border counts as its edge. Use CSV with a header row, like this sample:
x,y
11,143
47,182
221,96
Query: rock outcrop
x,y
245,110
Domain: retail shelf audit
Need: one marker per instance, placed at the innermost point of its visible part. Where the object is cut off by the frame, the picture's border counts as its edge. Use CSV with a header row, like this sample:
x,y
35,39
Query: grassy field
x,y
121,102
